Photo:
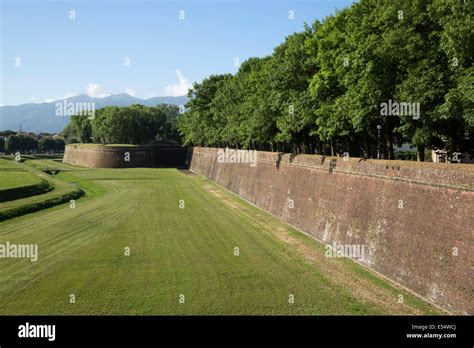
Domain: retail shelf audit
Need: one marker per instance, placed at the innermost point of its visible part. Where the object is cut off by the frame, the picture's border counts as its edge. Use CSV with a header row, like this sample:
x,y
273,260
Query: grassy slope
x,y
60,188
12,175
176,251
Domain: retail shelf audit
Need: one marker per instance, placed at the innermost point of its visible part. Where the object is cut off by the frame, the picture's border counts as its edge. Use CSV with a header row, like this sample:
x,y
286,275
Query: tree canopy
x,y
322,90
134,124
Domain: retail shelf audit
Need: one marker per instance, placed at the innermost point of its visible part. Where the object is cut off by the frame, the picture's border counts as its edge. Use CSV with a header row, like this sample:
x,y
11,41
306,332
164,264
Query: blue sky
x,y
60,56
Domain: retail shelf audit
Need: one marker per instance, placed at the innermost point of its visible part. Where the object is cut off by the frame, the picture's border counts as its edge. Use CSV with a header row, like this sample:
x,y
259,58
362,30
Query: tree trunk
x,y
365,147
389,144
333,148
303,147
420,153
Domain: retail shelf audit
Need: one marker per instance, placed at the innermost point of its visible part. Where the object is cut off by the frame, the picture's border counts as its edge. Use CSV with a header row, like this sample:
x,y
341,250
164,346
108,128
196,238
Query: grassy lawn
x,y
12,175
55,190
177,251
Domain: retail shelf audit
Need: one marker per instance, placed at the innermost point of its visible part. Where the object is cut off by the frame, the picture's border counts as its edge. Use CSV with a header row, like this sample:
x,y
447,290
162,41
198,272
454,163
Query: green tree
x,y
199,124
325,88
60,144
225,108
292,66
20,143
13,143
47,144
328,86
80,127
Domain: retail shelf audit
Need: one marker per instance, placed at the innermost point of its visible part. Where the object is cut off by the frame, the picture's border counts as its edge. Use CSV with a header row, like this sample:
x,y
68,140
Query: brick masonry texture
x,y
414,219
99,156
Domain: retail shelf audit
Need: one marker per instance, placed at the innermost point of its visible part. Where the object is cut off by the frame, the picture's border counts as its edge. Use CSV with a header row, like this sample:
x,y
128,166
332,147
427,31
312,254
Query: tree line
x,y
24,143
350,83
135,124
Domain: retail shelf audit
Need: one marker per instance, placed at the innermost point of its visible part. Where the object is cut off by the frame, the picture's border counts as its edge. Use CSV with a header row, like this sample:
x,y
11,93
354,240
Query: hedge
x,y
25,191
32,207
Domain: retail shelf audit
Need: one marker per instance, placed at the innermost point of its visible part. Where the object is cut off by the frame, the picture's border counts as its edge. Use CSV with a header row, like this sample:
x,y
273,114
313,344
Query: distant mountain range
x,y
42,117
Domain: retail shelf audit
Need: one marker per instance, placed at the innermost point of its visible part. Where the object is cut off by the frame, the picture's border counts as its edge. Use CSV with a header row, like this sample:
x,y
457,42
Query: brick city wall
x,y
414,219
99,156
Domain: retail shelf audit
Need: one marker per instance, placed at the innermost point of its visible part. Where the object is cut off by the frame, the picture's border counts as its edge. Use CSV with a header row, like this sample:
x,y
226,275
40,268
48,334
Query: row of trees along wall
x,y
327,89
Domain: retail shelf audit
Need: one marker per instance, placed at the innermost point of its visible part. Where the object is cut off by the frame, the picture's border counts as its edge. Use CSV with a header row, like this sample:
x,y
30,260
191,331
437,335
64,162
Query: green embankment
x,y
21,197
17,182
12,178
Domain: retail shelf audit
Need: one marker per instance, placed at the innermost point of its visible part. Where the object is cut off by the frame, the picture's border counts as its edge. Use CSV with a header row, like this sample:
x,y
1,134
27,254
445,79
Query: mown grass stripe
x,y
173,251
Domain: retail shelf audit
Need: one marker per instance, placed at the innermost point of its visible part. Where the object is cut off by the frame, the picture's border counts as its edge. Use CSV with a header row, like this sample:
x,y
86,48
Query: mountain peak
x,y
119,95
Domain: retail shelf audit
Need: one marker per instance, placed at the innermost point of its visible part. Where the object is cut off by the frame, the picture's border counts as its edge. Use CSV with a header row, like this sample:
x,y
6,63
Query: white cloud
x,y
49,100
180,88
70,95
96,91
35,100
130,91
